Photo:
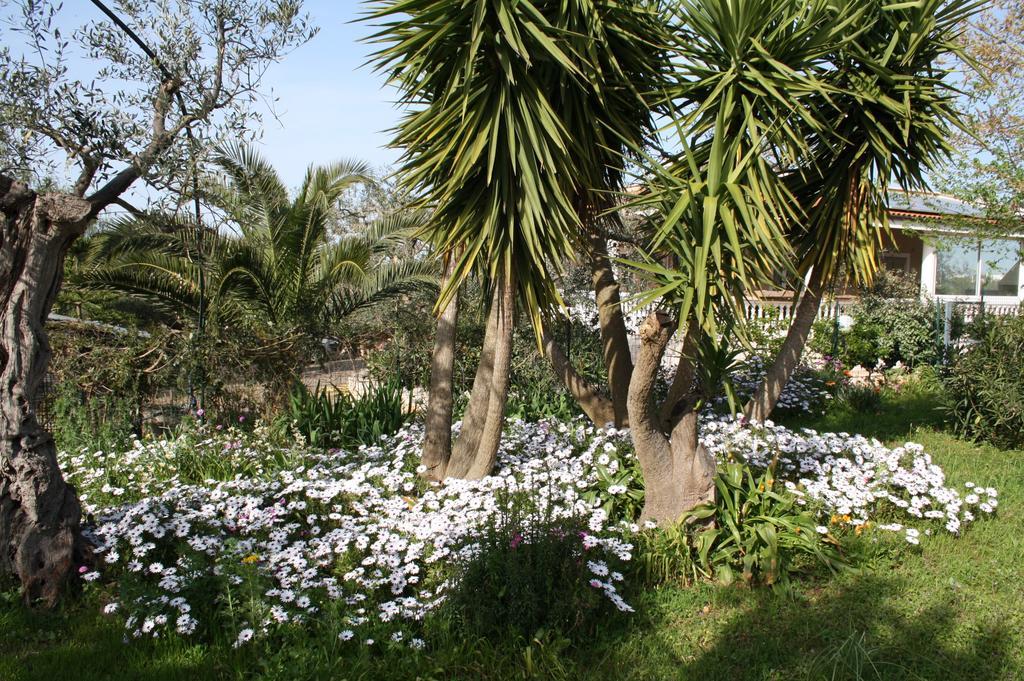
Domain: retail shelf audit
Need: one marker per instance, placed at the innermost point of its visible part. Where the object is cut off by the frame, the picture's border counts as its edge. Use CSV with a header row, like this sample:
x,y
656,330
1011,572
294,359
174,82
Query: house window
x,y
990,268
957,273
895,262
1000,266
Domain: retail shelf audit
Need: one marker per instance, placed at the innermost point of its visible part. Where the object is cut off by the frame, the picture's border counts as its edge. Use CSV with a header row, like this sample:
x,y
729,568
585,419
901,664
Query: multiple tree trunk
x,y
40,540
476,449
678,471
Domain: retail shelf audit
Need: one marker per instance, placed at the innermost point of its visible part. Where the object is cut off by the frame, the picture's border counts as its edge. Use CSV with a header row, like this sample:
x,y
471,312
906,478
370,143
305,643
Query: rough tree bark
x,y
476,449
614,339
437,441
40,514
678,471
761,405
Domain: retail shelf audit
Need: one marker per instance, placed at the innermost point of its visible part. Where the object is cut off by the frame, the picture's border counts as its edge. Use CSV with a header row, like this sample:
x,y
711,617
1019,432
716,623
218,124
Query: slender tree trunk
x,y
40,539
614,339
761,405
678,471
476,448
437,441
682,382
598,408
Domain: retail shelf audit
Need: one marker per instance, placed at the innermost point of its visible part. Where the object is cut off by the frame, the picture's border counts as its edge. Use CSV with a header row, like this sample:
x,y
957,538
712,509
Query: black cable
x,y
201,321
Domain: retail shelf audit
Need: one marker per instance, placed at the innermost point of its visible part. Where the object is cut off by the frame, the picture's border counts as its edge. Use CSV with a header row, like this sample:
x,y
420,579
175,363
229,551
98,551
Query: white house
x,y
930,242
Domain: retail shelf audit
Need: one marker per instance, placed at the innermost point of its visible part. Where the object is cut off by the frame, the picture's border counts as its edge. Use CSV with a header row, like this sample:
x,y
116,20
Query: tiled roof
x,y
929,205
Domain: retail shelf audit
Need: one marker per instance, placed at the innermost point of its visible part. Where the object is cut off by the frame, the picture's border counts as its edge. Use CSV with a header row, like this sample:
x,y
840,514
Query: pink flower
x,y
82,570
517,539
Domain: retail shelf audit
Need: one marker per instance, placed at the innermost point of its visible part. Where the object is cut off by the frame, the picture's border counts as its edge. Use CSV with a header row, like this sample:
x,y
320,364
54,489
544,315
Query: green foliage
x,y
890,322
863,399
620,490
666,555
986,384
531,574
100,422
328,418
518,116
764,335
759,533
100,378
405,342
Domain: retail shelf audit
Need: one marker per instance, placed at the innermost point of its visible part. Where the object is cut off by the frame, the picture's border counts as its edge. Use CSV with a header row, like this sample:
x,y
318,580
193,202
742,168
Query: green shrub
x,y
863,399
759,534
327,418
106,422
986,384
530,574
765,334
890,322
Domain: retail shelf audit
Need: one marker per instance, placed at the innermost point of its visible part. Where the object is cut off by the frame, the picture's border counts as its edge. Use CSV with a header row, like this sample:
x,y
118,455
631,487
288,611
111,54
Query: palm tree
x,y
895,113
794,116
519,112
279,270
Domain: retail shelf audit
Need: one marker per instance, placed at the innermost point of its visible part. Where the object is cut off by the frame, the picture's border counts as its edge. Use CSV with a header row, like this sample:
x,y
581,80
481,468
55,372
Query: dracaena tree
x,y
519,112
893,121
749,87
172,77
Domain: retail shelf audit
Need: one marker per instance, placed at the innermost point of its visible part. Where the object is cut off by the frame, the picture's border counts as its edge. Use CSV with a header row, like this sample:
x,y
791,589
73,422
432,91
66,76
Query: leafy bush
x,y
764,335
890,322
328,418
95,421
864,399
758,532
986,384
532,572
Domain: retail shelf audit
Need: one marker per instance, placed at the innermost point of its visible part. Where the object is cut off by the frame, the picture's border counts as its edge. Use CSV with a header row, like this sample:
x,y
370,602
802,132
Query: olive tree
x,y
172,78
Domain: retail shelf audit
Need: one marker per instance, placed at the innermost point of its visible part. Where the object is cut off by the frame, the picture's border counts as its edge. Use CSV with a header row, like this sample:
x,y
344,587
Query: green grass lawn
x,y
948,609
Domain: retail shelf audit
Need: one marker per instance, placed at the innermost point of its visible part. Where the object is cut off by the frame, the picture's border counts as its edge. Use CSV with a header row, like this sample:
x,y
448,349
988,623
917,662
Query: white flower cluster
x,y
852,479
805,391
358,535
356,531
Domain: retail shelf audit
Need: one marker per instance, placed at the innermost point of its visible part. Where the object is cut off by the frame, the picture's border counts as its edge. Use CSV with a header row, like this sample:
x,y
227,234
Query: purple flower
x,y
200,413
517,539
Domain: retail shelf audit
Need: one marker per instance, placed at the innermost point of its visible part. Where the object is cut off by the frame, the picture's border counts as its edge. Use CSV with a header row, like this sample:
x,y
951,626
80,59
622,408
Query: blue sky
x,y
330,106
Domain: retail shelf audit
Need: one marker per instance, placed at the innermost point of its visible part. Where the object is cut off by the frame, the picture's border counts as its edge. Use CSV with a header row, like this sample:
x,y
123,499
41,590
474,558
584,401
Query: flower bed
x,y
358,541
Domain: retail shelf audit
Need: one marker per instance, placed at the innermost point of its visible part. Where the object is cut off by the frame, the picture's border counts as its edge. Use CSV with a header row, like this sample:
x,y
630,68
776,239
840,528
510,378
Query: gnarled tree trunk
x,y
678,471
437,440
761,405
614,339
40,515
476,449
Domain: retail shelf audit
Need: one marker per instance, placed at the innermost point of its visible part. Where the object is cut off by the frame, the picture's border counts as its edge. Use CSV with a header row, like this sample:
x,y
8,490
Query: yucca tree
x,y
750,85
519,112
273,265
895,113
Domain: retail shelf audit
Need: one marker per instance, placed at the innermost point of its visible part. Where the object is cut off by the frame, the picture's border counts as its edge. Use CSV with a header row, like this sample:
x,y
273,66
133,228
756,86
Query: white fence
x,y
759,309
